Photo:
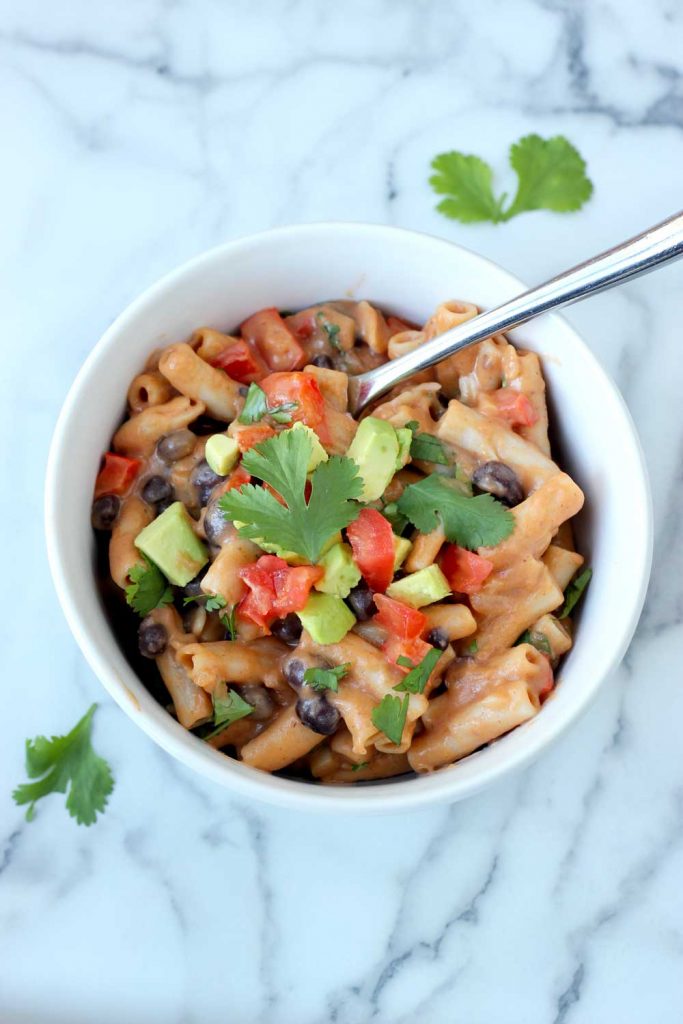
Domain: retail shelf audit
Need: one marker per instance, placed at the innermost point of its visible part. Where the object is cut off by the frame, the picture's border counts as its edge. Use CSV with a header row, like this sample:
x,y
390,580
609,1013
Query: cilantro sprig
x,y
227,710
470,522
416,680
390,714
325,678
574,593
427,447
330,329
256,407
536,639
215,603
67,762
551,175
148,588
299,525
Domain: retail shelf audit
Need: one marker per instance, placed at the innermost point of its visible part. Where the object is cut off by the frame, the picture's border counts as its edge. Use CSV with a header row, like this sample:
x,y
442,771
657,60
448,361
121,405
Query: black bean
x,y
243,390
165,503
293,670
104,511
322,360
499,480
437,638
157,488
361,602
204,479
152,638
318,714
288,629
193,588
215,523
204,425
176,445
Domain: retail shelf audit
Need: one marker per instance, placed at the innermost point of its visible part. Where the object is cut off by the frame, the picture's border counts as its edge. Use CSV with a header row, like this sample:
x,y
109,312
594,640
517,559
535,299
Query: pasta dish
x,y
343,600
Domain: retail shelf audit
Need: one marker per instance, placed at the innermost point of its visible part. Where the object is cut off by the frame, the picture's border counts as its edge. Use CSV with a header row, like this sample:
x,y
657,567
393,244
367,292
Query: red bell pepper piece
x,y
372,541
274,340
465,571
116,475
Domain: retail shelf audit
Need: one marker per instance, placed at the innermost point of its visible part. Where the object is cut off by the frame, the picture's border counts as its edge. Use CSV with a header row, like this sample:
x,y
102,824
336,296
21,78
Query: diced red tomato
x,y
301,390
512,406
414,650
238,477
275,588
116,475
276,494
248,436
240,362
465,571
274,340
400,620
372,541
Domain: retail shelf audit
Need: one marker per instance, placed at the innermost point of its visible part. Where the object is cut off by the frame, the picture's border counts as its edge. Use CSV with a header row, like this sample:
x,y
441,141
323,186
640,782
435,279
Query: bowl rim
x,y
437,787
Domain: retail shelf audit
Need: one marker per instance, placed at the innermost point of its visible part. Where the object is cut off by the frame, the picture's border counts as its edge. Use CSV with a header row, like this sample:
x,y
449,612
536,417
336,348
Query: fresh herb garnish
x,y
398,521
229,624
147,589
469,522
551,176
325,678
390,716
574,592
536,639
416,680
214,602
359,766
67,761
330,329
256,407
227,710
472,648
301,526
426,447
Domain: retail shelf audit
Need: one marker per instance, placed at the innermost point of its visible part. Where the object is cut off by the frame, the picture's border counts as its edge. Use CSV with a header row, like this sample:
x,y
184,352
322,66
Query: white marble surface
x,y
135,134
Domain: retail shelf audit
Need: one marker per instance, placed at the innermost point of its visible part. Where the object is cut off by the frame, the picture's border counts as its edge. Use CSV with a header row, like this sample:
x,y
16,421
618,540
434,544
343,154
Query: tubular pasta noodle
x,y
510,601
481,439
147,390
381,766
483,702
285,740
530,382
181,474
562,564
342,429
209,344
487,372
426,547
536,520
133,517
372,327
404,342
209,664
138,435
333,384
236,734
455,620
223,575
415,403
192,705
197,380
448,315
558,636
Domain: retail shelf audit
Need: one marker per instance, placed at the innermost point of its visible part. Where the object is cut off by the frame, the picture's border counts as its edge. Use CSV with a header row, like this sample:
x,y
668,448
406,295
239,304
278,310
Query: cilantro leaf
x,y
551,175
148,589
214,602
325,678
228,621
256,407
574,592
398,521
426,446
300,526
330,329
536,639
416,680
67,762
469,522
390,716
472,648
467,181
359,767
227,710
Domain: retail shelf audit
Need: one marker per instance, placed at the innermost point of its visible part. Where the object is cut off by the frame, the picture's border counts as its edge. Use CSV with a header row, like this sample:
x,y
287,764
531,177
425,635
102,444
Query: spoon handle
x,y
659,244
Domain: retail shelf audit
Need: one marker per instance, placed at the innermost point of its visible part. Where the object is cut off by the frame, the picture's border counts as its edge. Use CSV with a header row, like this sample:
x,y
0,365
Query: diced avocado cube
x,y
291,557
170,542
222,453
422,587
318,454
374,449
402,548
405,438
341,572
326,618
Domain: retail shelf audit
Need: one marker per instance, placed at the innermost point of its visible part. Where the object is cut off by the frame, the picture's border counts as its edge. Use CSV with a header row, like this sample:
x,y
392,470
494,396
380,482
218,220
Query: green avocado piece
x,y
341,572
170,542
422,587
318,454
402,548
291,557
374,449
221,453
326,618
404,437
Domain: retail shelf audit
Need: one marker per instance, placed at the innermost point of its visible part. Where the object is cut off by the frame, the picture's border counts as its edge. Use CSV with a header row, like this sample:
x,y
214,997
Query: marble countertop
x,y
138,134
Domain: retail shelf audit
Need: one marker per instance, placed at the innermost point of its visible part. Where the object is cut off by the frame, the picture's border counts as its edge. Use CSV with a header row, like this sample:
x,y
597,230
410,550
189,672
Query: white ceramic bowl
x,y
409,274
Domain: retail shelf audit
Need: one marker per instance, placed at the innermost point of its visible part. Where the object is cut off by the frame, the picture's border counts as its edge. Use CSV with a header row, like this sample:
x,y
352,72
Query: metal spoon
x,y
639,255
